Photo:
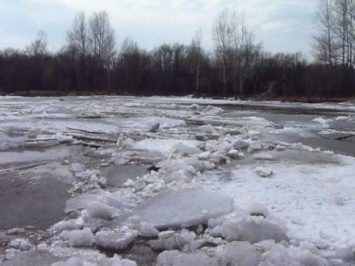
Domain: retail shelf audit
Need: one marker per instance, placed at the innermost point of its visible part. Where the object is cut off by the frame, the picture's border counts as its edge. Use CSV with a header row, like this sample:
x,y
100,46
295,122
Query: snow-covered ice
x,y
176,258
253,230
82,237
183,208
112,240
227,186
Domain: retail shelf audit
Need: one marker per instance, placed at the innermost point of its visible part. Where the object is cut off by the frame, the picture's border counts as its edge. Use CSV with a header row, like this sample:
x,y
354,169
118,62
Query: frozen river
x,y
176,181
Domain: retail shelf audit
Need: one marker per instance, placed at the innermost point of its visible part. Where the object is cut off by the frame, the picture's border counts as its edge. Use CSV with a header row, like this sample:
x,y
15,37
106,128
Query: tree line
x,y
334,45
238,66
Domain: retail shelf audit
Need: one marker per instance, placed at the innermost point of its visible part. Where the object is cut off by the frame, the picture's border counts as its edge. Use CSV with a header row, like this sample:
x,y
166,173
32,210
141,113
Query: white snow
x,y
316,203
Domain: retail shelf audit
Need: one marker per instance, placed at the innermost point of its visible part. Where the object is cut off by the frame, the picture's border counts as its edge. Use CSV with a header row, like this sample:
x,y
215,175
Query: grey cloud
x,y
282,25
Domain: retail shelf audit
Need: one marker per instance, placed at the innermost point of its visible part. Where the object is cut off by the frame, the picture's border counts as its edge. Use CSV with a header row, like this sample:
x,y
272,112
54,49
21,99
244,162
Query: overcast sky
x,y
281,25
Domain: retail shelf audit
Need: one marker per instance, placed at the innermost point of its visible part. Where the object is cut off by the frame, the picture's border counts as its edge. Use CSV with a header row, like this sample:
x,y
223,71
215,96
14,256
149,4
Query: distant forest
x,y
237,67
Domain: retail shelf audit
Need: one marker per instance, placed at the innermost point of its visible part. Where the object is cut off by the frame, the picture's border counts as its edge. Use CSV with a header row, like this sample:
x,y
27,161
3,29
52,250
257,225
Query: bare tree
x,y
102,39
334,41
129,46
351,19
244,49
163,67
130,61
39,46
325,47
344,29
223,36
341,27
78,35
196,54
164,58
78,43
350,35
235,47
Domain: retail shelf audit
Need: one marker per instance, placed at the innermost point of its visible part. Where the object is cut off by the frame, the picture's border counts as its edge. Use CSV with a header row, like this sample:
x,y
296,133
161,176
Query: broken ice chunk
x,y
80,237
15,231
185,174
216,231
207,129
254,147
257,209
171,240
176,258
204,156
79,202
74,262
263,156
154,128
305,257
113,240
98,209
253,134
252,231
72,224
264,172
239,253
278,255
235,154
166,234
240,145
183,208
116,261
338,200
147,230
77,167
129,183
115,201
185,149
21,244
164,244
